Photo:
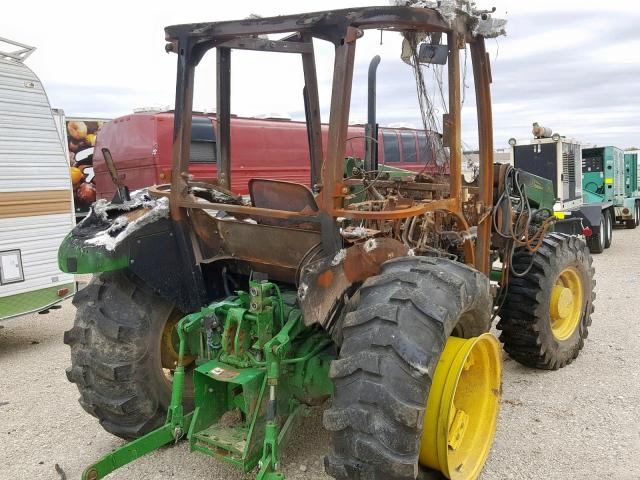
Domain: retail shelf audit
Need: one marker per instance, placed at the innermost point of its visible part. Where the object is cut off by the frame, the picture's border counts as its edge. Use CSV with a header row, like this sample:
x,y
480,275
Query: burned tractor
x,y
219,319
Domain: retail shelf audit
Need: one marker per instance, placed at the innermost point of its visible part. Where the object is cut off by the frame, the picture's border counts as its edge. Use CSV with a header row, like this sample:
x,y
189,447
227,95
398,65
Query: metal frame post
x,y
338,119
223,116
314,122
455,124
181,129
482,81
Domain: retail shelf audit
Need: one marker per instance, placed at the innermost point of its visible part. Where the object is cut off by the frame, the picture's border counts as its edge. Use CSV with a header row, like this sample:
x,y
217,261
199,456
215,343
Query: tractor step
x,y
223,440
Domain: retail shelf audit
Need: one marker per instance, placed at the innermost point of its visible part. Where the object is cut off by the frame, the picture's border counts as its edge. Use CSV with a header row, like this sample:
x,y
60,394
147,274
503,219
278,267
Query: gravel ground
x,y
581,422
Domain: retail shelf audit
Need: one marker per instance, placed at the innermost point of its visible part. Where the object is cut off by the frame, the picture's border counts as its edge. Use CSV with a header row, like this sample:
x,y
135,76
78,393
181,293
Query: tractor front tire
x,y
391,345
117,354
547,312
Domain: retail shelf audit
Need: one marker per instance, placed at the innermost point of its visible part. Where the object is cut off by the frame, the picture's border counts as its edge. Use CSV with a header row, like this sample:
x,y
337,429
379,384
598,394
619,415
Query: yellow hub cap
x,y
462,409
566,304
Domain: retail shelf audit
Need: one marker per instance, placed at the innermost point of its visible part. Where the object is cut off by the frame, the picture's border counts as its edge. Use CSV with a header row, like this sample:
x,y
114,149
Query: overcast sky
x,y
572,65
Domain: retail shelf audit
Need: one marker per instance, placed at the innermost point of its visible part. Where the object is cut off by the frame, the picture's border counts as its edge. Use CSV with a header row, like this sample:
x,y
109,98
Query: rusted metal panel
x,y
319,23
274,250
266,45
324,282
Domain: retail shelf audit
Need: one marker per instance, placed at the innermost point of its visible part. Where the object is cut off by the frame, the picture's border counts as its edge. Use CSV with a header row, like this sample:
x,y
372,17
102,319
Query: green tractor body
x,y
245,405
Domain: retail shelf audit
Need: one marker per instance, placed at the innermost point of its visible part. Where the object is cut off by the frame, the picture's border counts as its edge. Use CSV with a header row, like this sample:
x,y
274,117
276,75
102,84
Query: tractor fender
x,y
100,242
137,236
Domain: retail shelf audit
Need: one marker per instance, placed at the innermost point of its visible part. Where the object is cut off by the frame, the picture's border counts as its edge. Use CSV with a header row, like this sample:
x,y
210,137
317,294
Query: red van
x,y
141,144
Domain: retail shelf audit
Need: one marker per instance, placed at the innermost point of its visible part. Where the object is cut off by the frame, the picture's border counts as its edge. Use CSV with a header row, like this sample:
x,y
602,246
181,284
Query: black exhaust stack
x,y
371,129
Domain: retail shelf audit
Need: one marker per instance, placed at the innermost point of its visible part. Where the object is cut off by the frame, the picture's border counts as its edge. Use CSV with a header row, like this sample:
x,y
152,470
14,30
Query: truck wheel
x,y
633,222
637,213
596,240
122,353
547,312
609,228
391,345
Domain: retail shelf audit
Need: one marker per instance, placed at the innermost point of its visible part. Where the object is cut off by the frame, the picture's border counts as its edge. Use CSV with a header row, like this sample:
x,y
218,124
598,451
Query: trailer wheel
x,y
609,228
633,222
122,353
596,240
547,313
391,345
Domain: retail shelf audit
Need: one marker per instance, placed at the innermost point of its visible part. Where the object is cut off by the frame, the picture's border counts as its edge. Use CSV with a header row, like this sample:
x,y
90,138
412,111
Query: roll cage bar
x,y
342,28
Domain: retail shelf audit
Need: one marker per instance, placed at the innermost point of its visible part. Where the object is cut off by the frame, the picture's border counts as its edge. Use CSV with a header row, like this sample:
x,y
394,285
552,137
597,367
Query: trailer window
x,y
203,142
391,147
409,151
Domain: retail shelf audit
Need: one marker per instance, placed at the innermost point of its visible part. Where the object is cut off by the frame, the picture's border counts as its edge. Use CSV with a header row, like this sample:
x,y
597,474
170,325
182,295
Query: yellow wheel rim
x,y
462,409
169,348
566,303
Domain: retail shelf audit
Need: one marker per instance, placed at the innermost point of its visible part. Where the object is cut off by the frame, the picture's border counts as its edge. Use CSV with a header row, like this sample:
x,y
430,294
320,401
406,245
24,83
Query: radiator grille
x,y
568,167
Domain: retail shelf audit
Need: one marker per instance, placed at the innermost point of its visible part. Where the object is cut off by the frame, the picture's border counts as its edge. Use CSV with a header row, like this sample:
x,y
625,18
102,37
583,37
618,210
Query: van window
x,y
409,152
424,148
391,147
203,141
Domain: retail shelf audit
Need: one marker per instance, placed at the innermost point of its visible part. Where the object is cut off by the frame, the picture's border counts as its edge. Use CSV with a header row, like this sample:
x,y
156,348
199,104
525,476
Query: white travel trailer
x,y
36,203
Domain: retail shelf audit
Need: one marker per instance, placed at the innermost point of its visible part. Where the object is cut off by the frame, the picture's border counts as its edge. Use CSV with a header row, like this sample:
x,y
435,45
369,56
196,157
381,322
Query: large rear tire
x,y
121,354
547,312
391,345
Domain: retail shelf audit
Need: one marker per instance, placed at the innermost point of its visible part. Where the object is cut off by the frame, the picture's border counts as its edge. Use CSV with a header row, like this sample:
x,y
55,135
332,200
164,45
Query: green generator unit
x,y
559,160
608,175
631,203
603,174
630,175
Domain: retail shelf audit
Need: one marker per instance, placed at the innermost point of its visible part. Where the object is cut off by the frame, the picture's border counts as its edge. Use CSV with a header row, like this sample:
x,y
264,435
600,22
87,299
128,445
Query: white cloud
x,y
562,63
